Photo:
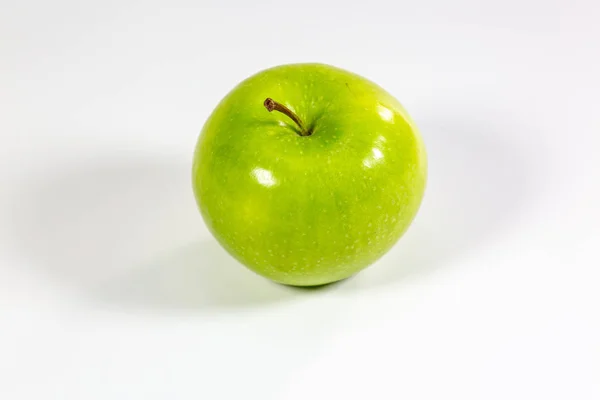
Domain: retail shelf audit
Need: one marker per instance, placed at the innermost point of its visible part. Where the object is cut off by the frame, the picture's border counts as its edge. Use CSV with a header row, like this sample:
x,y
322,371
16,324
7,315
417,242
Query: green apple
x,y
308,173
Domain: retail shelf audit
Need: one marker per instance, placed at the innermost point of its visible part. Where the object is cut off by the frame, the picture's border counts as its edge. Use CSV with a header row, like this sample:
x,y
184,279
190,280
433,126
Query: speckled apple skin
x,y
309,210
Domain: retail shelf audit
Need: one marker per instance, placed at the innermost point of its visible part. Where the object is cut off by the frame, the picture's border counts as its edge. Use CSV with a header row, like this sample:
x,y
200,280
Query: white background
x,y
112,288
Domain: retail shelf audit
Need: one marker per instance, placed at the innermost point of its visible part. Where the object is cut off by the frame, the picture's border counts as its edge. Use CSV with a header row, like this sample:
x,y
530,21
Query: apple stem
x,y
272,105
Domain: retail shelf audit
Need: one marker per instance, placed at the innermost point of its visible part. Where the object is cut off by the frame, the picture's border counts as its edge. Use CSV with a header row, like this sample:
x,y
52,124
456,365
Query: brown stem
x,y
272,105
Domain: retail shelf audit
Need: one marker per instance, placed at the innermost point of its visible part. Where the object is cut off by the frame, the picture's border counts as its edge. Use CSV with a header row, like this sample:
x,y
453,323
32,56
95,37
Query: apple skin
x,y
309,210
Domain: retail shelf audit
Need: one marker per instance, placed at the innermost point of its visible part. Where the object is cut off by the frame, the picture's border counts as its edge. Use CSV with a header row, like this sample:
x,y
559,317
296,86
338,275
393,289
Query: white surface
x,y
111,287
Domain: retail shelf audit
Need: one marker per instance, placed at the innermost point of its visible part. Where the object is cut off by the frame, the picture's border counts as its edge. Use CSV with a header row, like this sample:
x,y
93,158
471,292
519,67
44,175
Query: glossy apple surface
x,y
309,210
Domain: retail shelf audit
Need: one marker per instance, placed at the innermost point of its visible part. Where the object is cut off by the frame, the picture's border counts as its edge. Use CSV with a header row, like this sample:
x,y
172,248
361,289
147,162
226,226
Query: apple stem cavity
x,y
272,105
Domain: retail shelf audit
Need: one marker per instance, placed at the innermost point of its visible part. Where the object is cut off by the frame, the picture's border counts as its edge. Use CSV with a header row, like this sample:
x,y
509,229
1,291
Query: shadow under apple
x,y
125,232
